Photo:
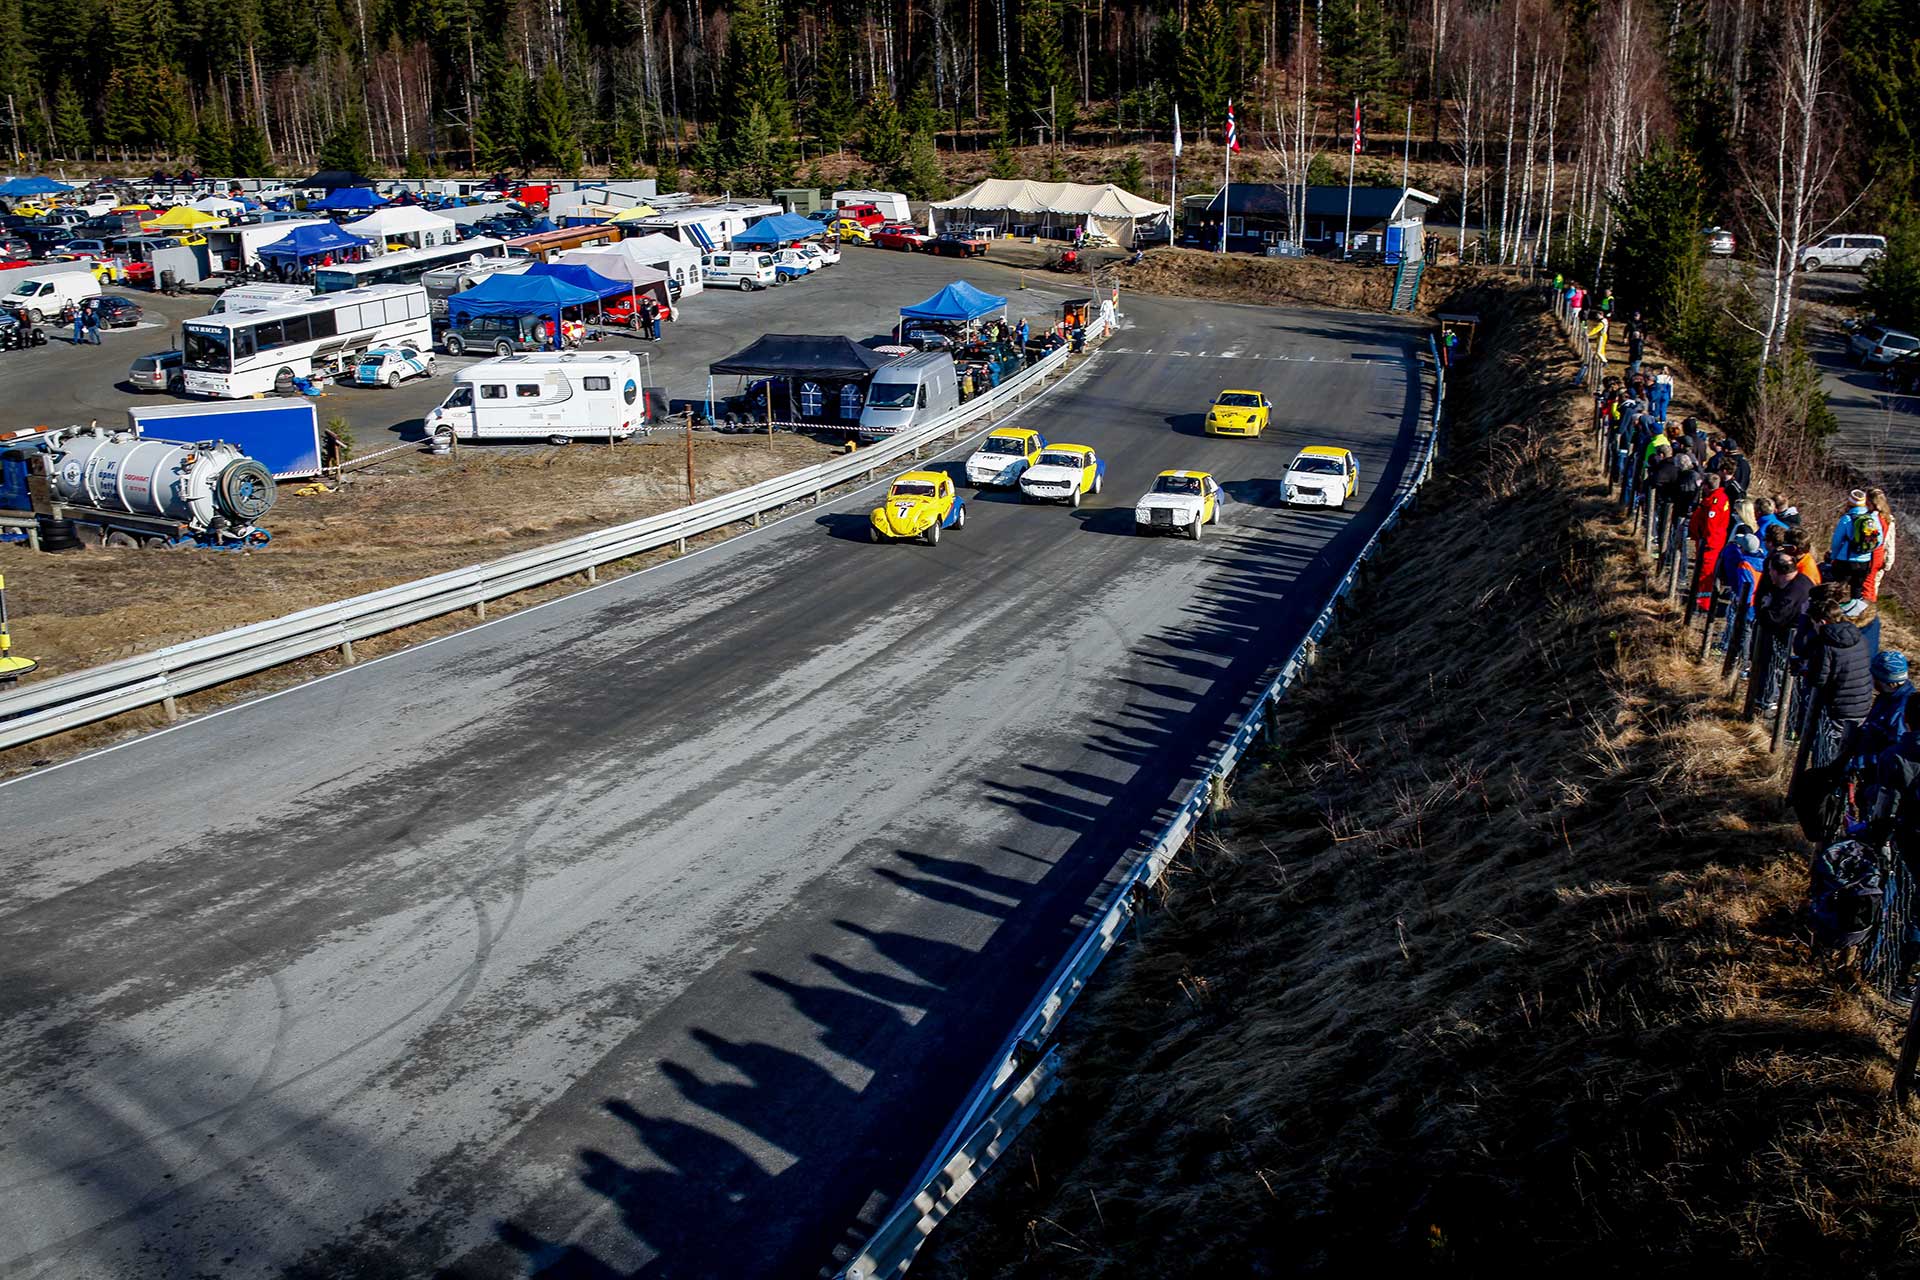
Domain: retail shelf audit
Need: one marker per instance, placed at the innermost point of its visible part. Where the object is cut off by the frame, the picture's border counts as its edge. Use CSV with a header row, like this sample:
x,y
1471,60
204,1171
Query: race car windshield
x,y
1238,400
890,395
1060,460
999,444
1176,484
1318,466
913,489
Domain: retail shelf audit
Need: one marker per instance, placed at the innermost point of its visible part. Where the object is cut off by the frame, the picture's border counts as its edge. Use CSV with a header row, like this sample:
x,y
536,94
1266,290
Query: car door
x,y
1353,476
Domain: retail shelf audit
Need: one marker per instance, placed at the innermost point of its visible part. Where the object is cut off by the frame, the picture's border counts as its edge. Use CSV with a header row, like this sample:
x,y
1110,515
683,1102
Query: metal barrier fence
x,y
1023,1072
68,702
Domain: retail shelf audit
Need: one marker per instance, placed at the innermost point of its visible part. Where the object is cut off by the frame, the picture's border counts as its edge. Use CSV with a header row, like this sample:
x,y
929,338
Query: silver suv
x,y
1842,253
1876,346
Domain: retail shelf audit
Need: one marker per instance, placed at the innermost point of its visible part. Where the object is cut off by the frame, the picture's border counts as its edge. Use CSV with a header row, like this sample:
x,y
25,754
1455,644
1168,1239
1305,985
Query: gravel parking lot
x,y
61,384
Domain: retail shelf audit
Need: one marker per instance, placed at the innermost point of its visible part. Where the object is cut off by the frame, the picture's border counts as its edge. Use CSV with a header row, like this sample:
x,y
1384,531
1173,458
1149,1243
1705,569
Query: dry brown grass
x,y
1239,277
1496,964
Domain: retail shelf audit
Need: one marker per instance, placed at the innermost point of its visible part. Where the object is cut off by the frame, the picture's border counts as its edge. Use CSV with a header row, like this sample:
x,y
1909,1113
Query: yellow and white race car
x,y
1003,457
1321,475
1238,413
1065,473
1179,502
919,505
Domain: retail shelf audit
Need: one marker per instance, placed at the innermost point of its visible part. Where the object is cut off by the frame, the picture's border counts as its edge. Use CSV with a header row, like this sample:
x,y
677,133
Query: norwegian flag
x,y
1233,134
1358,142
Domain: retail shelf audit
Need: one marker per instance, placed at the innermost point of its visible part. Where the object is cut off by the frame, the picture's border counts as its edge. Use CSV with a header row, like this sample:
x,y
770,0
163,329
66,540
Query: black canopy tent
x,y
335,179
816,361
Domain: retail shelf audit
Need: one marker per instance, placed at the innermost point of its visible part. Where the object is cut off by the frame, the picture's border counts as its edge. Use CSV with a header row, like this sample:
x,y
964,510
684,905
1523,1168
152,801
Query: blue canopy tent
x,y
16,188
303,243
520,295
346,198
958,303
781,228
581,277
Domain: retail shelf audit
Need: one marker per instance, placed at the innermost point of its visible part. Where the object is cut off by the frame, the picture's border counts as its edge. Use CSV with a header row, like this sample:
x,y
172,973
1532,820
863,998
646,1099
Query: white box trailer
x,y
558,396
230,248
891,203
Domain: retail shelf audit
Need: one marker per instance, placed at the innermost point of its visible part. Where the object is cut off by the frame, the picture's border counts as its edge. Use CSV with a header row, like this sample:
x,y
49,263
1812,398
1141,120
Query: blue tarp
x,y
959,301
779,229
580,277
346,198
34,186
311,242
518,295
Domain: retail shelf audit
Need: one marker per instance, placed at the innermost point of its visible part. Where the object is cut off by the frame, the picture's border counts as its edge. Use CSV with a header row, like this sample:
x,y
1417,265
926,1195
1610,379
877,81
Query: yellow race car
x,y
31,209
1321,475
1180,502
1238,413
849,231
1003,457
919,505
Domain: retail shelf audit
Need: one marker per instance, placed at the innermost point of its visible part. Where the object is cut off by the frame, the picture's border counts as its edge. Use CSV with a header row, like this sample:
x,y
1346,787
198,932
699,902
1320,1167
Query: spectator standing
x,y
1741,566
79,326
1636,345
1886,720
1763,509
1856,537
1599,330
1778,605
1661,393
90,312
1838,667
1735,468
1606,304
1708,524
1889,534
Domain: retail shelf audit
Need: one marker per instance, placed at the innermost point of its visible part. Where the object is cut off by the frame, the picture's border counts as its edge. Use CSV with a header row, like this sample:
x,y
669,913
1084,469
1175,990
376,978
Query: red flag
x,y
1233,136
1357,141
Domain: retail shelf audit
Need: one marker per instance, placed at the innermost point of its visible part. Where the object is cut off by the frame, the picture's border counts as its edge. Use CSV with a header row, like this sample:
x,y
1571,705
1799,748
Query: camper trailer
x,y
561,397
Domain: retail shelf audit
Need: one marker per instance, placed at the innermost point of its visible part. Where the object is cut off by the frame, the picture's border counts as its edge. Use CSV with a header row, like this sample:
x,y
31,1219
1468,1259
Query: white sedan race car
x,y
1179,502
390,366
1321,476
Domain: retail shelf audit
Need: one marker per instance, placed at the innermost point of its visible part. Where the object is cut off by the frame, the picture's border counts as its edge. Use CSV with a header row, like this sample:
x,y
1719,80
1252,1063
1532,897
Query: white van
x,y
740,270
1842,253
908,392
249,297
557,396
45,296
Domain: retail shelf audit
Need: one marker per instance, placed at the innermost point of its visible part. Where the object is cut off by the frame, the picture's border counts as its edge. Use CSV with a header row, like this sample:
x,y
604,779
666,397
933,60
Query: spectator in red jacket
x,y
1708,526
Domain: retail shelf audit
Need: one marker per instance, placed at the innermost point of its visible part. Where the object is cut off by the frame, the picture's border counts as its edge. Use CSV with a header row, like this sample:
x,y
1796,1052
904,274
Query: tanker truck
x,y
132,492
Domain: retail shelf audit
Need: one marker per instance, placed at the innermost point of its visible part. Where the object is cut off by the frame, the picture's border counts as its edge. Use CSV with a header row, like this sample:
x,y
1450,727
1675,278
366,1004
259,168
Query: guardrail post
x,y
756,519
681,548
171,707
480,610
346,652
593,573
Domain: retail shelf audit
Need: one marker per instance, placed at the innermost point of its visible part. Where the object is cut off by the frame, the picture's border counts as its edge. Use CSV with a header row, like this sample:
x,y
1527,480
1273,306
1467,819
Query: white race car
x,y
828,254
1179,502
1003,457
1321,476
390,366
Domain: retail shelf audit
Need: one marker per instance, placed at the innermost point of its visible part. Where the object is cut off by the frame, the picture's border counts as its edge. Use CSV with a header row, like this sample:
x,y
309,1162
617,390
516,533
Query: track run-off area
x,y
657,930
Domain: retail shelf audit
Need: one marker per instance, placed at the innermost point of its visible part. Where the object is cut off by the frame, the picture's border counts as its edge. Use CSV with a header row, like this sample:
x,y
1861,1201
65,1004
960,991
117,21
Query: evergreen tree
x,y
833,108
669,178
72,131
213,144
416,164
1046,89
1657,247
921,176
16,57
1005,163
1130,174
754,80
1881,52
556,136
1893,280
500,121
249,155
883,141
1205,66
1356,38
347,147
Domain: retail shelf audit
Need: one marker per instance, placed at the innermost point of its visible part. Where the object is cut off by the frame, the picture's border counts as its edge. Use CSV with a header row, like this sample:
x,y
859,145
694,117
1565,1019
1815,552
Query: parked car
x,y
390,366
13,247
900,235
1719,241
1842,253
1877,346
502,335
867,215
1903,375
82,249
738,269
791,264
160,371
117,312
828,254
949,244
927,337
849,230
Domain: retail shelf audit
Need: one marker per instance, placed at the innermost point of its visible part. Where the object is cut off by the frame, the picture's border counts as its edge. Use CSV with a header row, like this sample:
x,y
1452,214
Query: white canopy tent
x,y
663,253
421,228
1046,208
218,204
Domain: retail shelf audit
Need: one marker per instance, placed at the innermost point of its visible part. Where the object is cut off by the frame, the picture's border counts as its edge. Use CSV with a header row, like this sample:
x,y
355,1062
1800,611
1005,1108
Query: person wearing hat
x,y
1741,565
1856,536
1887,720
1838,664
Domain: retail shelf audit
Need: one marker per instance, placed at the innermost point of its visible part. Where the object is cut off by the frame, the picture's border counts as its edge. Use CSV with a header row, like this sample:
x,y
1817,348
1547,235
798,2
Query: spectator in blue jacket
x,y
1742,561
1887,719
1856,537
1764,517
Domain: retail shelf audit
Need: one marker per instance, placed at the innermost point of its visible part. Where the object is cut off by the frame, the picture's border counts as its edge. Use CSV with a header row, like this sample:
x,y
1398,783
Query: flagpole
x,y
1346,243
1226,189
1173,186
1407,154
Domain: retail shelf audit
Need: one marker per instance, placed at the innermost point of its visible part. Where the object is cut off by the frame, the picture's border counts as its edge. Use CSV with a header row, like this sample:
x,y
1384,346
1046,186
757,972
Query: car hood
x,y
1312,480
1169,502
1050,475
981,460
1230,411
905,515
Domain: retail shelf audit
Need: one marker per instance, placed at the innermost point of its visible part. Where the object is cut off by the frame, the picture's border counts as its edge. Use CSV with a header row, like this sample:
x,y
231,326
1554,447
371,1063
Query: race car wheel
x,y
393,379
1098,483
1195,527
960,518
873,535
932,534
1074,501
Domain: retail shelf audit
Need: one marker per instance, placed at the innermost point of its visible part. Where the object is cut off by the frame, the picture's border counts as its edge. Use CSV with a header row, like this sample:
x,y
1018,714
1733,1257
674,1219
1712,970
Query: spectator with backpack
x,y
1886,720
1839,677
1735,468
1856,537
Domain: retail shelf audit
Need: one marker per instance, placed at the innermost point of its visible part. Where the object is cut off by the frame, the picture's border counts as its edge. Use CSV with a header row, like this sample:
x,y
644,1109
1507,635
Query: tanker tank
x,y
210,489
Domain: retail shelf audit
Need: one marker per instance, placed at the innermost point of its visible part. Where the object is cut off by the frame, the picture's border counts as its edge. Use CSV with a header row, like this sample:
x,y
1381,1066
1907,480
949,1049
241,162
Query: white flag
x,y
1176,131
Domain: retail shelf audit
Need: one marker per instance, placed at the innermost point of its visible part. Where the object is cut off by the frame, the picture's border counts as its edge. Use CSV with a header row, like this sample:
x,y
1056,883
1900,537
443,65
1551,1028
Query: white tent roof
x,y
655,247
402,219
612,264
216,204
1074,198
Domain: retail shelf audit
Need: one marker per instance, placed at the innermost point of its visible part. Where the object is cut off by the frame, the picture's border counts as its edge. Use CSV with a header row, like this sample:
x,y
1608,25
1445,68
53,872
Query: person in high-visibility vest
x,y
1599,331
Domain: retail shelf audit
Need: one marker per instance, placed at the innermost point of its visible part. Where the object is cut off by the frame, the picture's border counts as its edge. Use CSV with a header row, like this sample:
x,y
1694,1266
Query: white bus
x,y
405,267
246,353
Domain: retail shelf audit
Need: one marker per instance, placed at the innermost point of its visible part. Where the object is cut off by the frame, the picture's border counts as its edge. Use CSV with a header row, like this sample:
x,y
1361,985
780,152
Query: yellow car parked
x,y
919,505
1238,413
849,231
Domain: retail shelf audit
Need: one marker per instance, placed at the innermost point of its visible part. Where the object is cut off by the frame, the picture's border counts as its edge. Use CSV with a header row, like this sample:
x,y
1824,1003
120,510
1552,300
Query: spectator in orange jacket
x,y
1708,525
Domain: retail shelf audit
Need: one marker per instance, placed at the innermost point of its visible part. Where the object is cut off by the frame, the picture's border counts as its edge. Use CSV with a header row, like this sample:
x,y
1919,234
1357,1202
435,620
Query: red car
x,y
950,245
626,311
867,215
900,235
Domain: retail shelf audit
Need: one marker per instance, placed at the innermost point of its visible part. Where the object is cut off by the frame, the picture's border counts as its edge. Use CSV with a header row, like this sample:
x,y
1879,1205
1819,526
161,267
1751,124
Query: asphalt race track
x,y
656,931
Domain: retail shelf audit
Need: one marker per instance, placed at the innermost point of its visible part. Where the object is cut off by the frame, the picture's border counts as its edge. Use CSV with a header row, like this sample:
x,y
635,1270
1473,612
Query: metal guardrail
x,y
68,702
1023,1072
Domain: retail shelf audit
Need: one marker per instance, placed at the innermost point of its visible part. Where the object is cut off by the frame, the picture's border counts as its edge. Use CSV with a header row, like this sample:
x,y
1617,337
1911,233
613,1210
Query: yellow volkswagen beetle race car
x,y
1238,413
919,505
849,231
1179,502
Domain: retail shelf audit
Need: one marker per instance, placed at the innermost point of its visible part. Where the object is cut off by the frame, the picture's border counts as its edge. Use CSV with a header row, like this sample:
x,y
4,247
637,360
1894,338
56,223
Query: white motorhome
x,y
443,282
706,226
891,203
557,396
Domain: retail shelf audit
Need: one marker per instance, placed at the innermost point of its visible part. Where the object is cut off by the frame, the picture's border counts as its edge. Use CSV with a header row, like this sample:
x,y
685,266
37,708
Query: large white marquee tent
x,y
1042,208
